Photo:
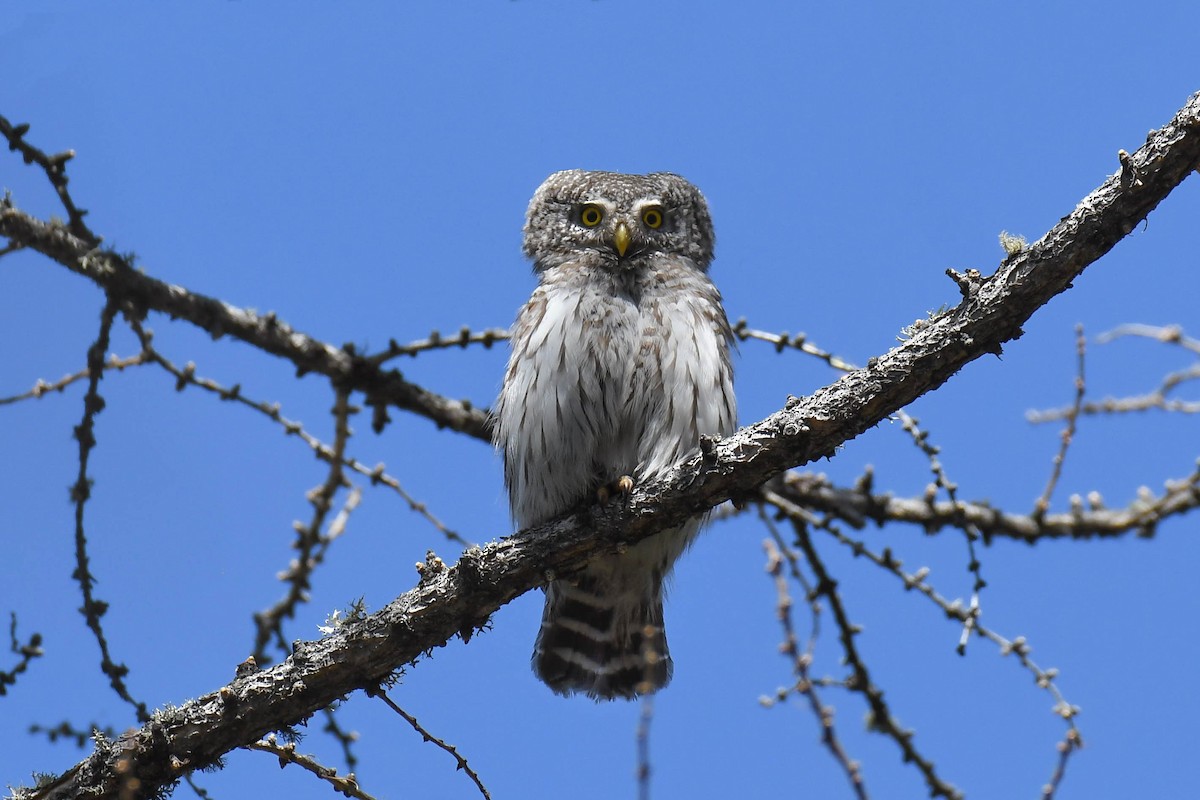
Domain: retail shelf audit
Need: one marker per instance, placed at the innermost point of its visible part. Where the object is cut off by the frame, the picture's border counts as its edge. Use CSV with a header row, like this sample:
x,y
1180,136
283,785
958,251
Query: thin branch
x,y
1156,399
953,609
857,506
10,248
346,739
310,543
791,558
971,533
1068,435
93,608
55,167
436,341
27,653
286,753
920,438
186,376
116,273
1169,334
784,340
1070,743
881,718
800,664
196,788
459,599
429,737
1119,405
65,730
1044,678
42,388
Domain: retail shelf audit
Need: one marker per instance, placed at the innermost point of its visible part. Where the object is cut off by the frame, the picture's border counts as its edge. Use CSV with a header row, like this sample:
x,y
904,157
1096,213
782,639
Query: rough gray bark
x,y
450,601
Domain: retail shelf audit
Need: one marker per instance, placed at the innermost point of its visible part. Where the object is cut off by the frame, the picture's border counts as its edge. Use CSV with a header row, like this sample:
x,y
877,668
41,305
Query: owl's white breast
x,y
560,415
683,380
608,380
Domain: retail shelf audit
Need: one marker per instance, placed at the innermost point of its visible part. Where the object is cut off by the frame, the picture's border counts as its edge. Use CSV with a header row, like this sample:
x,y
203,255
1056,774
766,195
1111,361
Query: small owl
x,y
620,363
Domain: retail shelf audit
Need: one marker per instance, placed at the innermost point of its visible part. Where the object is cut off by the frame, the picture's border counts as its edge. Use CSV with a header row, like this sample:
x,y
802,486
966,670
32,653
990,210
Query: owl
x,y
619,364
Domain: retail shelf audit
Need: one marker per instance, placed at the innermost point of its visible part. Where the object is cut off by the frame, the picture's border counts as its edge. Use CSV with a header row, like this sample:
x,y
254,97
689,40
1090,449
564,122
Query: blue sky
x,y
363,171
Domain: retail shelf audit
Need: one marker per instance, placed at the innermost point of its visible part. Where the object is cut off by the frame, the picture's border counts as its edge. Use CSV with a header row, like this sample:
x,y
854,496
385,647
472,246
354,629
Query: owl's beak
x,y
621,238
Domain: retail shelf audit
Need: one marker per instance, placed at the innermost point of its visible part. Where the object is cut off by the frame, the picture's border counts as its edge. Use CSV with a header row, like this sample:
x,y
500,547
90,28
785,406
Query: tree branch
x,y
116,275
856,506
457,600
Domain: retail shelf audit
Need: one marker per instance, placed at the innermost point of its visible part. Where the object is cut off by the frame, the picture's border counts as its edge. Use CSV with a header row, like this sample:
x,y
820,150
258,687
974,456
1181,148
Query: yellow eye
x,y
652,217
590,215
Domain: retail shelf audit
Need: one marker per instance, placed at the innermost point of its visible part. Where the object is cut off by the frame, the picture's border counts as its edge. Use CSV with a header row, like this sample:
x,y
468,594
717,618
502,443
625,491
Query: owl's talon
x,y
622,485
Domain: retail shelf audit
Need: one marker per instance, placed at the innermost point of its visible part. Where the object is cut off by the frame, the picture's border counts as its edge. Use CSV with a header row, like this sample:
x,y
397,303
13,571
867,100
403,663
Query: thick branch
x,y
856,506
450,601
116,275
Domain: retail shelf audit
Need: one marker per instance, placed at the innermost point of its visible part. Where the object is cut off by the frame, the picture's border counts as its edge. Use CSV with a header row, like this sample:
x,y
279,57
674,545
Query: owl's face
x,y
616,220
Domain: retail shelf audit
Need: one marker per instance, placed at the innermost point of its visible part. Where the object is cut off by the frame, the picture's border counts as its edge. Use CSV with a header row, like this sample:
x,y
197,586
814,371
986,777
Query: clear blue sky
x,y
363,171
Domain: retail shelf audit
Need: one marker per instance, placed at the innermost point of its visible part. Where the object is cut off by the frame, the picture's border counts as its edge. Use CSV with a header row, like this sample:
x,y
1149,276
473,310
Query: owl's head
x,y
616,220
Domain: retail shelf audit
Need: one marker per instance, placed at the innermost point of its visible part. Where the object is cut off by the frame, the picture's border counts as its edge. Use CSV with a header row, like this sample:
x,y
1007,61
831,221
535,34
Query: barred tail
x,y
603,638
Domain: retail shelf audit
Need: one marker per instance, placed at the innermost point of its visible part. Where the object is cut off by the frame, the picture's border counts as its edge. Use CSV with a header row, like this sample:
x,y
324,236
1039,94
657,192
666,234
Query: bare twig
x,y
1070,743
1153,401
65,730
881,718
42,388
196,788
1156,399
1168,334
971,533
27,653
186,376
286,753
800,664
93,608
55,167
797,574
429,737
784,340
345,738
310,543
1044,678
436,341
920,438
1068,435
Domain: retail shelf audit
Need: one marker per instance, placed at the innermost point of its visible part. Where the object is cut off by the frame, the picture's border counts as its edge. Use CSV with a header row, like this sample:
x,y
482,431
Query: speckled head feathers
x,y
576,211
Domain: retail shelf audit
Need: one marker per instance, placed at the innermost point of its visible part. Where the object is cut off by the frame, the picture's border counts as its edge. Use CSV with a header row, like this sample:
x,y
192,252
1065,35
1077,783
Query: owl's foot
x,y
622,485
